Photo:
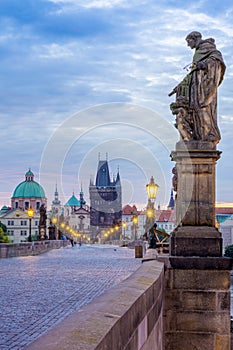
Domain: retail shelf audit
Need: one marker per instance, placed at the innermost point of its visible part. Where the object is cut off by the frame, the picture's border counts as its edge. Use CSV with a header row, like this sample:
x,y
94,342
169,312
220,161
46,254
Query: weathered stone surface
x,y
222,342
191,300
202,241
200,279
189,341
195,203
198,321
223,301
201,263
197,308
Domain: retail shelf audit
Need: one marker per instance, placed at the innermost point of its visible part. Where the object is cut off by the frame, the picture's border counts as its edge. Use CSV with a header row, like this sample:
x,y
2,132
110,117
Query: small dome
x,y
29,188
73,202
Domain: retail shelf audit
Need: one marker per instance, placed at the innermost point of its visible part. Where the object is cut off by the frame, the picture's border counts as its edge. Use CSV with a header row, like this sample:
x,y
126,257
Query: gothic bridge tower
x,y
105,200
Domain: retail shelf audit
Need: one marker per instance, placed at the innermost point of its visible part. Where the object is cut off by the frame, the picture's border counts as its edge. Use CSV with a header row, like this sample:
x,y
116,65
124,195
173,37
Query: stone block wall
x,y
127,317
197,309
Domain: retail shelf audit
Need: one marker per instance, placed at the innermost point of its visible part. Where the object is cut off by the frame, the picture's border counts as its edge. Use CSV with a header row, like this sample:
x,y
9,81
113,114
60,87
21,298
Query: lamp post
x,y
54,222
30,214
151,189
124,226
135,223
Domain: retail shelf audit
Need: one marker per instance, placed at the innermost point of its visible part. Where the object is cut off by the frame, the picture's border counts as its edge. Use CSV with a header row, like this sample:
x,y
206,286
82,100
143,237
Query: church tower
x,y
105,200
171,204
56,204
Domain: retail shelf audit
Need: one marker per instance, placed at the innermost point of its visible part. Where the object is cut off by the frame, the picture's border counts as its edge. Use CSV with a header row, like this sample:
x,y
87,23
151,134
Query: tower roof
x,y
171,203
73,202
103,177
29,188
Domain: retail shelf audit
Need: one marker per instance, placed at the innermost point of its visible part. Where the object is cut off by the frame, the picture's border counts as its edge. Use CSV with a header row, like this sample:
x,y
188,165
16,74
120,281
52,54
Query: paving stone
x,y
38,292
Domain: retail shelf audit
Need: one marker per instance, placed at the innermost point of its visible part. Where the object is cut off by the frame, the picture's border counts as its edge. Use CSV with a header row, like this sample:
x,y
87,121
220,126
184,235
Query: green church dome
x,y
29,188
73,202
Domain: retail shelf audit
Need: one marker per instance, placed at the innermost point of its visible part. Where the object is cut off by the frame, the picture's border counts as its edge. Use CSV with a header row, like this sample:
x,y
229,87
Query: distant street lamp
x,y
54,222
30,214
135,224
124,226
151,189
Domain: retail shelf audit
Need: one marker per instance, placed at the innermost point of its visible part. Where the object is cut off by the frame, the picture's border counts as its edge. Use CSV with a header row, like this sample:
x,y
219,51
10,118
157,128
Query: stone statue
x,y
43,216
196,96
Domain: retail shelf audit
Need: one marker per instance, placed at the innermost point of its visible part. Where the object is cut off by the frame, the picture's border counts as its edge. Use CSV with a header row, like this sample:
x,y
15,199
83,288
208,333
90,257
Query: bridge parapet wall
x,y
29,248
130,316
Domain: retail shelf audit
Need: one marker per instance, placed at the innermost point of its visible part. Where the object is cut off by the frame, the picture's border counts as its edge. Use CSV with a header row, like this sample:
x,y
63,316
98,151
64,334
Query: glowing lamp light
x,y
30,213
135,219
152,189
150,213
54,220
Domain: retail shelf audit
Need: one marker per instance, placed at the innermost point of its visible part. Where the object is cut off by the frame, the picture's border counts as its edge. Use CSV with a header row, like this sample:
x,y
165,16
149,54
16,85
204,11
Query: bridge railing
x,y
129,316
10,250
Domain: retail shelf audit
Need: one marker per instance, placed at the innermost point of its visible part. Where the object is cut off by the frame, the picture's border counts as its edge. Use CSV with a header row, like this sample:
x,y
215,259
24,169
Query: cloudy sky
x,y
83,77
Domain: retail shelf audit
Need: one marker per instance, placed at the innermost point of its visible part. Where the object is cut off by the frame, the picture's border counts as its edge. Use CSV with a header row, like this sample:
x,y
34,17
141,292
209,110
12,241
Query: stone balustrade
x,y
29,248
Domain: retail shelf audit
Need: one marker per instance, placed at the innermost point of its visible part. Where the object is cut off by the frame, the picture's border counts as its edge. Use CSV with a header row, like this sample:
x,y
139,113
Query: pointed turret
x,y
103,177
56,199
81,198
171,204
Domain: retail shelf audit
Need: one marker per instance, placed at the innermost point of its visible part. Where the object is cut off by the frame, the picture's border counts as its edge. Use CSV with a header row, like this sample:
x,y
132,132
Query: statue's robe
x,y
203,85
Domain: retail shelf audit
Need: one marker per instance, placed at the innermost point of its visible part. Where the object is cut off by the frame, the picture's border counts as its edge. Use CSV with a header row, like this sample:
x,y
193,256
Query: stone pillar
x,y
195,234
197,293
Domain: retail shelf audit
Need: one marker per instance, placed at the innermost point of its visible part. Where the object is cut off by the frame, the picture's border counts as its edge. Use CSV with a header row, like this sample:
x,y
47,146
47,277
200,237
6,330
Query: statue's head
x,y
193,39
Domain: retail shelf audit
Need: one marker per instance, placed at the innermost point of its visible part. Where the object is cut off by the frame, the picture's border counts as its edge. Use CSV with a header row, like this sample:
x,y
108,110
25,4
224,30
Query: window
x,y
23,222
37,205
26,205
16,205
10,222
23,232
10,232
36,223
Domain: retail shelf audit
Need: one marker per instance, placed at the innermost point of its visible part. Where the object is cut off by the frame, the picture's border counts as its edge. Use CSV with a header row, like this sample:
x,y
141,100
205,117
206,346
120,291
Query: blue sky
x,y
89,76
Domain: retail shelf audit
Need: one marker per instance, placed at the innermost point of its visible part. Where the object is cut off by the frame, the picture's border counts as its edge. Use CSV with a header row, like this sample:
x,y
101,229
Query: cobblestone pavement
x,y
38,292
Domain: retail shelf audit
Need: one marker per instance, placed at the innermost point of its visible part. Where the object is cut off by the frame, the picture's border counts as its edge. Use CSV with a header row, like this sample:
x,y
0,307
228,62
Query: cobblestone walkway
x,y
38,292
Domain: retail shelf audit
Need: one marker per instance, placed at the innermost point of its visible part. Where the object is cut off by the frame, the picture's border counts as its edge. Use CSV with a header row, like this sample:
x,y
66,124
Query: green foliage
x,y
3,236
229,251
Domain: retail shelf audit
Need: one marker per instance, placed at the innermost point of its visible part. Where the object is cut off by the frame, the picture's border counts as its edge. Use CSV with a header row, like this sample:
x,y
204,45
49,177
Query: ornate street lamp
x,y
30,214
151,189
135,223
124,226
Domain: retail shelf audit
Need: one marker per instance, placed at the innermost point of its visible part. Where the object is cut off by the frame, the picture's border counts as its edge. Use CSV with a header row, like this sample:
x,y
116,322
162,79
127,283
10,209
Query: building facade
x,y
27,194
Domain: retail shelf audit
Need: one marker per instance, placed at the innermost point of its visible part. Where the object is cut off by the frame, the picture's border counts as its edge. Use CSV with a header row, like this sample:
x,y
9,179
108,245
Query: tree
x,y
229,251
3,236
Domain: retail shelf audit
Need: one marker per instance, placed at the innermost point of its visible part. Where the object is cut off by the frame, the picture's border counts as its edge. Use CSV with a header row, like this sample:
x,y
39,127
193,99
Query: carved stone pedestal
x,y
195,234
197,292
